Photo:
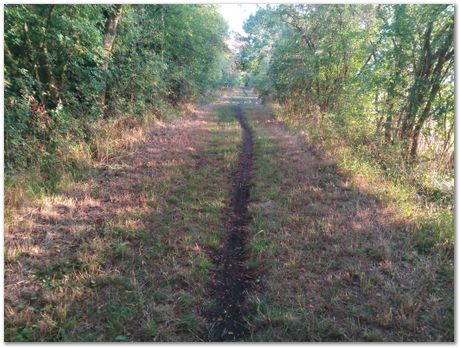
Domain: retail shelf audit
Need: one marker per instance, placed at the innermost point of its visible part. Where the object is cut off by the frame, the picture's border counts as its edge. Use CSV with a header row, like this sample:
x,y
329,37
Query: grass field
x,y
123,256
126,253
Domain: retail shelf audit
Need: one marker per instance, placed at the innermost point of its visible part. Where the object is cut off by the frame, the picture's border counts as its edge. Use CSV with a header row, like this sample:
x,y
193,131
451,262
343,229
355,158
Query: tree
x,y
68,65
390,65
113,15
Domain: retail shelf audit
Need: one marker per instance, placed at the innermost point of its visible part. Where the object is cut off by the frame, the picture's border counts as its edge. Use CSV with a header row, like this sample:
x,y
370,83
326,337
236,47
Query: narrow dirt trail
x,y
231,280
216,230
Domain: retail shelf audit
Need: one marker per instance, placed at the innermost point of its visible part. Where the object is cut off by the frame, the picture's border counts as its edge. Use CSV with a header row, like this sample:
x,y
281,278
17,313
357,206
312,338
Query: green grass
x,y
71,160
408,190
330,262
143,274
328,271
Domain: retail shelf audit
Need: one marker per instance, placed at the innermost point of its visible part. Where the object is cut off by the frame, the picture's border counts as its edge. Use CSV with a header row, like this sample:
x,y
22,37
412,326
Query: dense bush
x,y
388,65
373,87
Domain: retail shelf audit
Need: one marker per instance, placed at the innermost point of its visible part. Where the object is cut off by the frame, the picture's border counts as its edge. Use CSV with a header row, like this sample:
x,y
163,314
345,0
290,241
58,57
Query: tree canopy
x,y
391,66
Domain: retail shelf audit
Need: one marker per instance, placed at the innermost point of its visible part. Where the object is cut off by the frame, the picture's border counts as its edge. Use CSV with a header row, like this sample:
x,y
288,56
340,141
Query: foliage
x,y
67,67
383,73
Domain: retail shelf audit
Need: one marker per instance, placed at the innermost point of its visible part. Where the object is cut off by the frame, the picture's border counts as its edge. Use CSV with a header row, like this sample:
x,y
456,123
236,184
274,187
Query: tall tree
x,y
387,64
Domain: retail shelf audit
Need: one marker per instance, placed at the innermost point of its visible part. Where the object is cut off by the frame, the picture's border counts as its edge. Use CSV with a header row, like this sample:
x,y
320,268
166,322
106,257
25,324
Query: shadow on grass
x,y
337,265
122,256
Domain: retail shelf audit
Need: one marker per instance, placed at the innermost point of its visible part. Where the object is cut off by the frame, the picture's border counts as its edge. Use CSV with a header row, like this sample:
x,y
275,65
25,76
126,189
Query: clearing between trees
x,y
221,225
150,197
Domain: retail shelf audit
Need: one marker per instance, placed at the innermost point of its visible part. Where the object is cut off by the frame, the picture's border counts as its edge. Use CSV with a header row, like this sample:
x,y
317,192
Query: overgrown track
x,y
231,279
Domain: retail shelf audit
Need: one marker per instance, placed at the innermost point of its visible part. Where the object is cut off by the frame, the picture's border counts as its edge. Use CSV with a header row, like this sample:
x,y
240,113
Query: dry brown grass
x,y
123,255
109,139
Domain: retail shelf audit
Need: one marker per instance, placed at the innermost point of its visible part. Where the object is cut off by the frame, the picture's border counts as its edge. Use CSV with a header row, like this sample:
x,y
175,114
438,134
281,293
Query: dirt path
x,y
231,280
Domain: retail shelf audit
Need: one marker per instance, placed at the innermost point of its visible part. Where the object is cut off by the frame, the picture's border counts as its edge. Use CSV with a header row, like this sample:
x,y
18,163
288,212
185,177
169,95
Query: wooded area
x,y
169,180
67,66
387,71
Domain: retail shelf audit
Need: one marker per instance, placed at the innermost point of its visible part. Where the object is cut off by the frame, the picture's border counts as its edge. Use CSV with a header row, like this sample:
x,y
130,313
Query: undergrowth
x,y
125,257
339,257
71,157
418,192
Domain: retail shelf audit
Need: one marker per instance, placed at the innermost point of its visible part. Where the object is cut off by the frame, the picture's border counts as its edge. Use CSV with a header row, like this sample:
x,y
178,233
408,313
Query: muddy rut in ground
x,y
231,280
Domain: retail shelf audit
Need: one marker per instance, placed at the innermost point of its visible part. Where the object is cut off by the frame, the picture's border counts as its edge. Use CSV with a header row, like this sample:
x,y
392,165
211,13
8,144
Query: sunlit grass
x,y
330,249
394,186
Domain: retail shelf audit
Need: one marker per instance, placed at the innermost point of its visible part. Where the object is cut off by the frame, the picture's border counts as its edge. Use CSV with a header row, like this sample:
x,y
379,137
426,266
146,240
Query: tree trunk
x,y
45,72
418,89
443,55
415,140
110,31
387,127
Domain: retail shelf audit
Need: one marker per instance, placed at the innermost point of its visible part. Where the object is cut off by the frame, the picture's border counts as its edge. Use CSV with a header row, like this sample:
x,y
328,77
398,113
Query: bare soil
x,y
231,280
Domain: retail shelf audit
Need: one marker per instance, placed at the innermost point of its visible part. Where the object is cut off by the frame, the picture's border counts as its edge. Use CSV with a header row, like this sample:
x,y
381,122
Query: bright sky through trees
x,y
236,14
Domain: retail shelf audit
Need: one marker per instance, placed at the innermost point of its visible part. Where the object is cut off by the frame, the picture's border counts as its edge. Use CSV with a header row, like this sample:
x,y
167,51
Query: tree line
x,y
67,66
389,66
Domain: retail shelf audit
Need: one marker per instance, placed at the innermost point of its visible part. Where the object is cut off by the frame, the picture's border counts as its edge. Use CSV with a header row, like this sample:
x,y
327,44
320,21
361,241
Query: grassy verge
x,y
336,262
74,160
409,190
122,256
78,150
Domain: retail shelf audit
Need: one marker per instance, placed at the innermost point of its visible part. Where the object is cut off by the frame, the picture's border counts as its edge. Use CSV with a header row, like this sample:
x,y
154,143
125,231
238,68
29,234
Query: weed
x,y
373,336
